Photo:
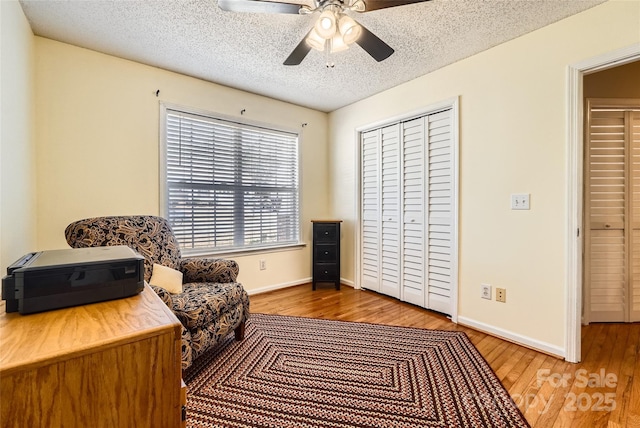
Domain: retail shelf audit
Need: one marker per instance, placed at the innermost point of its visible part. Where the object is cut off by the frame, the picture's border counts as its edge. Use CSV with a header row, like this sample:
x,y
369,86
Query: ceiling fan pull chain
x,y
327,53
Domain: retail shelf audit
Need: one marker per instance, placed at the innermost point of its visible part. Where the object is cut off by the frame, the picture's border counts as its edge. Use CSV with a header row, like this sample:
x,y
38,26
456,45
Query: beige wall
x,y
17,148
98,146
96,138
512,140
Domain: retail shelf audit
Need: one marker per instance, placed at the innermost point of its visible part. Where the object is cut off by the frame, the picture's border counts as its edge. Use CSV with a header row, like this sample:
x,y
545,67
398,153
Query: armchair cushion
x,y
202,303
167,278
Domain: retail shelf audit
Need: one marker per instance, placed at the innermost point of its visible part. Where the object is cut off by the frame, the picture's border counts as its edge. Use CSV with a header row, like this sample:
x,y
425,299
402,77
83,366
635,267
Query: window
x,y
227,185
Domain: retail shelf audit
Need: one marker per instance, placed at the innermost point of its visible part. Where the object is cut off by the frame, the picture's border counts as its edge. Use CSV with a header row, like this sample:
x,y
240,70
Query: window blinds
x,y
230,186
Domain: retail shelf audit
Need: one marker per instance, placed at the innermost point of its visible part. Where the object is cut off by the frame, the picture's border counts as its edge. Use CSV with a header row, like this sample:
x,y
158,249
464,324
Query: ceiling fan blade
x,y
374,46
383,4
258,6
299,53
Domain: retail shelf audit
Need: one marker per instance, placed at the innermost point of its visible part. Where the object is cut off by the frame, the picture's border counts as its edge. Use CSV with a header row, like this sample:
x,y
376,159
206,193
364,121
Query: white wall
x,y
512,140
98,146
17,148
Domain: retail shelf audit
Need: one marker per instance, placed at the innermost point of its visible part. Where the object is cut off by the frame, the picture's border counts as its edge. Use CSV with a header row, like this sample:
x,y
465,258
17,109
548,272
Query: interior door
x,y
612,211
371,232
413,210
390,225
633,130
441,217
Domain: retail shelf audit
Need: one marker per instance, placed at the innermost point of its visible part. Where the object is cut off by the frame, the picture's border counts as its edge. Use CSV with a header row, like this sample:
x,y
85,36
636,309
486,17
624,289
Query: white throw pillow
x,y
167,278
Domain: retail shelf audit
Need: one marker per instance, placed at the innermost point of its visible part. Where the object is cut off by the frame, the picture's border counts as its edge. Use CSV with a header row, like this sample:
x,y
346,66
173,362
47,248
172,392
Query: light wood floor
x,y
602,391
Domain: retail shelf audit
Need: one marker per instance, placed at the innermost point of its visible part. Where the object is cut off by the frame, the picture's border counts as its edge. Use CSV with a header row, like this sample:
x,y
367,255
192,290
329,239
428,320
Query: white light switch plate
x,y
520,201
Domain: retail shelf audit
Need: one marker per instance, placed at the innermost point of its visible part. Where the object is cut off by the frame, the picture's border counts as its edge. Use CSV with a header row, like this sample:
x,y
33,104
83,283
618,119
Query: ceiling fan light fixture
x,y
338,44
349,29
315,41
326,25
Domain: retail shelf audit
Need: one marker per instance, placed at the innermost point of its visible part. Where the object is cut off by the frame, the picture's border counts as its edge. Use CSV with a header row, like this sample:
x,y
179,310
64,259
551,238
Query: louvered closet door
x,y
612,207
413,236
407,237
440,212
633,130
371,231
390,172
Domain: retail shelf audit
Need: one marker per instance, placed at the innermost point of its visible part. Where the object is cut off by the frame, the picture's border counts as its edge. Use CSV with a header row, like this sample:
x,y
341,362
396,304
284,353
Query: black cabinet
x,y
326,252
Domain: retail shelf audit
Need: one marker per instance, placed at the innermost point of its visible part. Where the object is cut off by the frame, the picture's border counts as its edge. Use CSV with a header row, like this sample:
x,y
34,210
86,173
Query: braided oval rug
x,y
302,372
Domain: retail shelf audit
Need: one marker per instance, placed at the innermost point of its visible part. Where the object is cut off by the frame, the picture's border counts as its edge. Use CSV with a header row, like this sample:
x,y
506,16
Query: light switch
x,y
520,201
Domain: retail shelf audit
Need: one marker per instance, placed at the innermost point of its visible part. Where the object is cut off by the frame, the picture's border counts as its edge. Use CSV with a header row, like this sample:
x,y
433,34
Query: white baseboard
x,y
347,282
292,284
278,286
538,345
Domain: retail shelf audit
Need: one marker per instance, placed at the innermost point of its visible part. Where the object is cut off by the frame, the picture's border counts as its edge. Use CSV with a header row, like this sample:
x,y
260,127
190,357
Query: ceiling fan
x,y
334,30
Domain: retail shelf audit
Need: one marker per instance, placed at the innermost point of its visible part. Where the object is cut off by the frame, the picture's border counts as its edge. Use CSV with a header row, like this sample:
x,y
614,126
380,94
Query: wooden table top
x,y
28,341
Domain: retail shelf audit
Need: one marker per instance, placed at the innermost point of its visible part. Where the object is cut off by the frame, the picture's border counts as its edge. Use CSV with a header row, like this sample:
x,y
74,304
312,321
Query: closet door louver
x,y
413,236
607,204
390,275
371,232
613,215
633,129
440,192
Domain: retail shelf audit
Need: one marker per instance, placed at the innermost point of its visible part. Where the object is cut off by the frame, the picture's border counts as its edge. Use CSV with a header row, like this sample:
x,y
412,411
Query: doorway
x,y
575,132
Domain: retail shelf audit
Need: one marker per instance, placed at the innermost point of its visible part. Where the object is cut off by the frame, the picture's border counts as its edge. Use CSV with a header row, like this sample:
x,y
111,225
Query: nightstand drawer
x,y
325,232
325,272
325,253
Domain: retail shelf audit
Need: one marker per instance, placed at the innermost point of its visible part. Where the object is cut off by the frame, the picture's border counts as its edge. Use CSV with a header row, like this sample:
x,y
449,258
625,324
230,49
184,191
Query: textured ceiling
x,y
246,50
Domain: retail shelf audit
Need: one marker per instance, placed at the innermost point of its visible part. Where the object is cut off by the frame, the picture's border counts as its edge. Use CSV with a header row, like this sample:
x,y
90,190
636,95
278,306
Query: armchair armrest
x,y
164,295
209,270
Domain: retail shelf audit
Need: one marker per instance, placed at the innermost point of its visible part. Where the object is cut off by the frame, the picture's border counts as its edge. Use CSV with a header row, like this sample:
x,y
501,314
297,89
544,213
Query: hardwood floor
x,y
601,391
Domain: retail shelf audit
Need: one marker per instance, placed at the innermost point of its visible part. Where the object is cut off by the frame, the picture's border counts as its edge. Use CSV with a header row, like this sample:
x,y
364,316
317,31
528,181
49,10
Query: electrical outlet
x,y
501,295
485,291
263,264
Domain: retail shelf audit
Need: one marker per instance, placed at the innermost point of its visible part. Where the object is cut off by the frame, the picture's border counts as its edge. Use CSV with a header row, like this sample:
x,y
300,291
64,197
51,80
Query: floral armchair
x,y
211,304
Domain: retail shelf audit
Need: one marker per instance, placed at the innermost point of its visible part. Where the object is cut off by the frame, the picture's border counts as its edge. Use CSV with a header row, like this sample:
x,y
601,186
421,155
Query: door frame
x,y
575,185
450,103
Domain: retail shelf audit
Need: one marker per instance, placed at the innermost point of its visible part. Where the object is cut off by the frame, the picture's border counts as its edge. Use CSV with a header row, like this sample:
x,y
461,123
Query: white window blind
x,y
230,186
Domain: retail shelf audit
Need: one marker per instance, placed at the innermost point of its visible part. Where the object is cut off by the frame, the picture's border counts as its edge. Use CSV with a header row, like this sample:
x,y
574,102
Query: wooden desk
x,y
109,364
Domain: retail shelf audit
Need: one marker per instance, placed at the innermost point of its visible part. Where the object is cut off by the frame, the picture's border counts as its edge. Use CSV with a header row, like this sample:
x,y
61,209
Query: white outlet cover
x,y
520,201
485,291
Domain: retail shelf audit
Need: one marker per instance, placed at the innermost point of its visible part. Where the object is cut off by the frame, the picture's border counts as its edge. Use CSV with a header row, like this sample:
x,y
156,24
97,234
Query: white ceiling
x,y
246,50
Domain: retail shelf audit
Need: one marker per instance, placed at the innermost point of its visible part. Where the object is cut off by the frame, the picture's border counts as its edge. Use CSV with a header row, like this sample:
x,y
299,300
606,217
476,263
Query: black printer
x,y
60,278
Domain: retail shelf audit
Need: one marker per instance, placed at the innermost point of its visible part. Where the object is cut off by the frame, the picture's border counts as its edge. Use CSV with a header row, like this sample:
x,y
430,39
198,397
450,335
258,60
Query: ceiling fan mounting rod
x,y
337,6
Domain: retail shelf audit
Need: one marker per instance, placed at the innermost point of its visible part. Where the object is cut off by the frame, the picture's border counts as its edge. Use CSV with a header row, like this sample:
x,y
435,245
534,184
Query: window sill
x,y
242,251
